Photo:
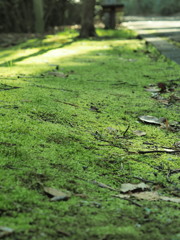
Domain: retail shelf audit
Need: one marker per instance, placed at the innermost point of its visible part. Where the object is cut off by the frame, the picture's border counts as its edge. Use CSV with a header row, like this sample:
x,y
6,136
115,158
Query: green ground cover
x,y
69,109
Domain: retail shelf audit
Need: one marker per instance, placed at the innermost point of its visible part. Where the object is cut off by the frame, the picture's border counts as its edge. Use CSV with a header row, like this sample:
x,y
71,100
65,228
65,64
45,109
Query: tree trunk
x,y
39,15
87,19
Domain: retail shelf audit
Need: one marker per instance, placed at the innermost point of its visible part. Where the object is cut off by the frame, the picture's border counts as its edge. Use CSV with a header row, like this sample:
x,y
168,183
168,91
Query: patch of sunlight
x,y
56,40
76,49
14,55
55,54
50,55
34,60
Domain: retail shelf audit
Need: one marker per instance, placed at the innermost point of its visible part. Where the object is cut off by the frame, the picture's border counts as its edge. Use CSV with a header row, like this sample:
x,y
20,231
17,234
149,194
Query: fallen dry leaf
x,y
152,120
57,195
160,87
160,99
5,231
152,89
128,187
151,196
170,199
139,133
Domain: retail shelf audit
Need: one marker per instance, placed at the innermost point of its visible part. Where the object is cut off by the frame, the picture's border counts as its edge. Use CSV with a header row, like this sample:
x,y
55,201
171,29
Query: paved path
x,y
156,31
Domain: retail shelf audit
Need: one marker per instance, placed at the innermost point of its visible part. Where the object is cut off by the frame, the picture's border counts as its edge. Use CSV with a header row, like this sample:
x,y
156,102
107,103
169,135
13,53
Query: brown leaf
x,y
162,86
139,133
57,195
128,187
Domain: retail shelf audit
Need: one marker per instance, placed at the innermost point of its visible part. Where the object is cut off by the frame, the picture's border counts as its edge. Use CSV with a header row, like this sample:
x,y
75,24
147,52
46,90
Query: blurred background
x,y
19,15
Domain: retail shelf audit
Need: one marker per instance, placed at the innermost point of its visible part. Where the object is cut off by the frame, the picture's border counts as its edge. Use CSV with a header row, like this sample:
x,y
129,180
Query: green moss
x,y
67,132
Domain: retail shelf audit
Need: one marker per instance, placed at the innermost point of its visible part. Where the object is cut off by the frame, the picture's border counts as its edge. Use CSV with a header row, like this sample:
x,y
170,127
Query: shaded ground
x,y
71,136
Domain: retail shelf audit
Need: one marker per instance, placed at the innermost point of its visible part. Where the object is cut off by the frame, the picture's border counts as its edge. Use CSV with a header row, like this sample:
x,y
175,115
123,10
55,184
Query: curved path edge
x,y
148,30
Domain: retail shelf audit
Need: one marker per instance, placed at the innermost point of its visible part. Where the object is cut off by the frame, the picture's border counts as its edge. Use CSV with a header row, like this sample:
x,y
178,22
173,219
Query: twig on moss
x,y
71,104
126,131
144,180
159,151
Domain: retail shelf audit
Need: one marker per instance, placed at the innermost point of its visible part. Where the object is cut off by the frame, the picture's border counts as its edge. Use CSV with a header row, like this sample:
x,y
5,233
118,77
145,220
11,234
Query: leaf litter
x,y
57,195
61,195
152,120
141,191
128,187
162,122
5,231
157,90
150,196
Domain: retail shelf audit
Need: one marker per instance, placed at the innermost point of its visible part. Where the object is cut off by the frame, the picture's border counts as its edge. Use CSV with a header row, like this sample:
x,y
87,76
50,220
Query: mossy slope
x,y
65,131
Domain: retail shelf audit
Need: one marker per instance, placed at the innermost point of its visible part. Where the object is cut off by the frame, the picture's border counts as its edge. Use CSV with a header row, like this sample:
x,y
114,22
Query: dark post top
x,y
112,3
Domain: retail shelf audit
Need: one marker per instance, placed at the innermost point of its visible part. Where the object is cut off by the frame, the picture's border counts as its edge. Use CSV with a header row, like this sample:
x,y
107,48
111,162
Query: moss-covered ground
x,y
68,112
